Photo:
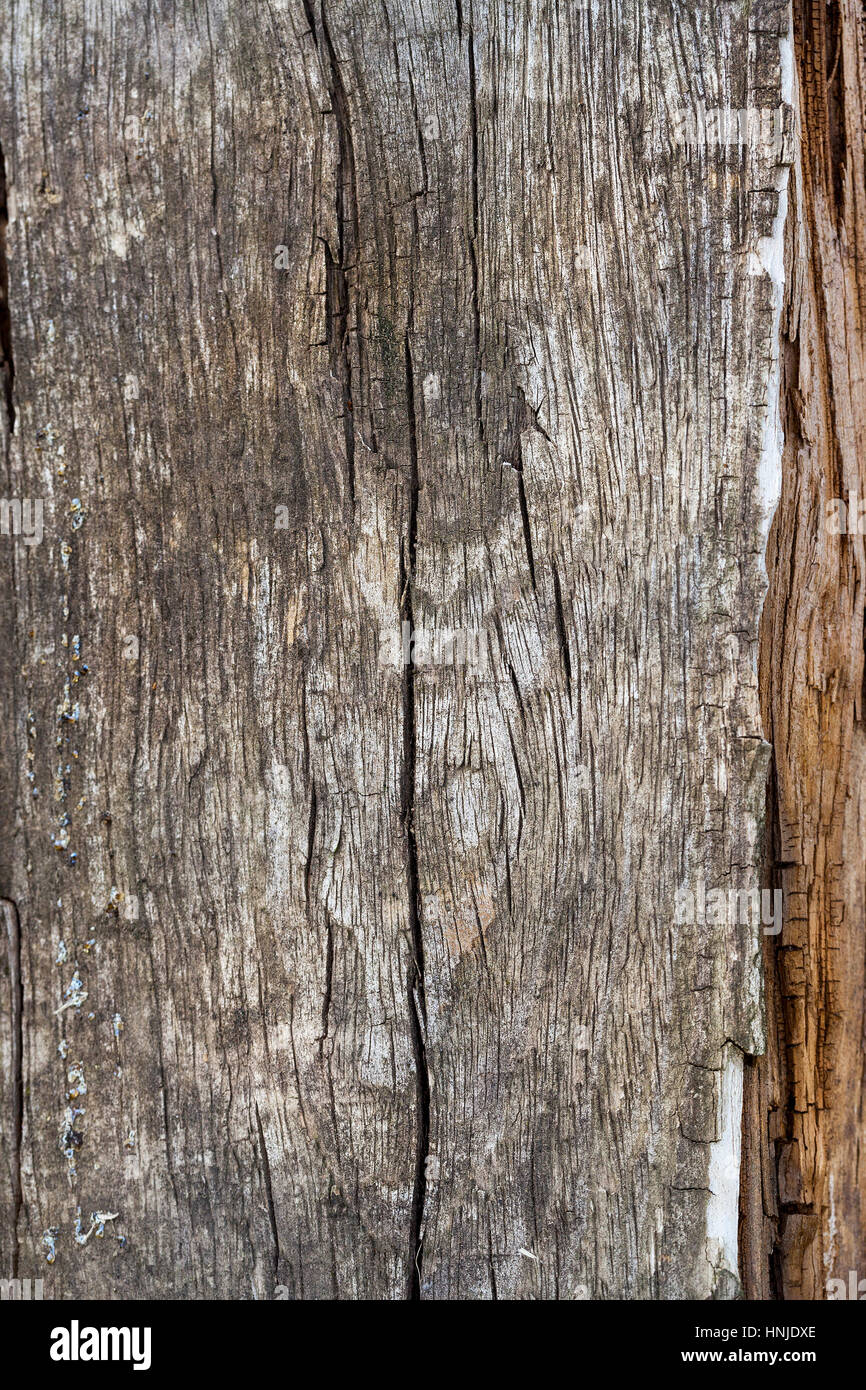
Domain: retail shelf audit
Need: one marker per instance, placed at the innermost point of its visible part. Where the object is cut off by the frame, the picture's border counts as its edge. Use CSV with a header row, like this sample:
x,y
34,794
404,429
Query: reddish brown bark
x,y
803,1210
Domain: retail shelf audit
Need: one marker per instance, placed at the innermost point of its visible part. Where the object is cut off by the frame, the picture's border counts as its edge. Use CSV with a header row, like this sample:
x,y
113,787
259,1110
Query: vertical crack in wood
x,y
329,987
347,241
524,510
514,457
269,1193
7,361
311,842
561,634
16,1015
473,237
416,991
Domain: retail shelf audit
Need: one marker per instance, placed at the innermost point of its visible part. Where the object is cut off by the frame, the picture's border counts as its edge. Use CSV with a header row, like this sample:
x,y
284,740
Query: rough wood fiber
x,y
384,994
804,1216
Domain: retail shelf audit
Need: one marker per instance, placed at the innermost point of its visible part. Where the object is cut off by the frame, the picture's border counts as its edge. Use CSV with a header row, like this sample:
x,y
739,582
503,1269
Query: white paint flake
x,y
723,1207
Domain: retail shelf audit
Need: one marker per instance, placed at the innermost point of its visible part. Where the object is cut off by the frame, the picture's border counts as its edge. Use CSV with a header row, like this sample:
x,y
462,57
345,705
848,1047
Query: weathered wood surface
x,y
384,994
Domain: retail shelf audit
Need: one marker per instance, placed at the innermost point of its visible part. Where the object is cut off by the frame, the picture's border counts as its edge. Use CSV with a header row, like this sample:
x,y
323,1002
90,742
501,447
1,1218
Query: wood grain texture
x,y
805,1220
328,319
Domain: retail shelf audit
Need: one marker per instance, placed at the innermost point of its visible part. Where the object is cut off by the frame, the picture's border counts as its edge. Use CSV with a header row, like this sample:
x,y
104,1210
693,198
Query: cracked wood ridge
x,y
330,322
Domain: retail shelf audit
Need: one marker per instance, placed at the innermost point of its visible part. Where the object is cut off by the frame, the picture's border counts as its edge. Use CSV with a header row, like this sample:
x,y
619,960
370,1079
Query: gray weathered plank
x,y
333,319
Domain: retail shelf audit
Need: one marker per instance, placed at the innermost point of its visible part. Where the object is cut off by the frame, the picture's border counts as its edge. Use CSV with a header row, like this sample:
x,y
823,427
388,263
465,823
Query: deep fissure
x,y
416,990
7,361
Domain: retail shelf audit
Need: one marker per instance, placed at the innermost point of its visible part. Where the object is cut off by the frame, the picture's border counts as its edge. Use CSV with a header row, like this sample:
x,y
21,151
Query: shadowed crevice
x,y
7,360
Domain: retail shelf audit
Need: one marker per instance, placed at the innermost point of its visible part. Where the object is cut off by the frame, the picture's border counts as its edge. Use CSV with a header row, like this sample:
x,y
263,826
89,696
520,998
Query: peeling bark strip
x,y
804,1213
361,978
